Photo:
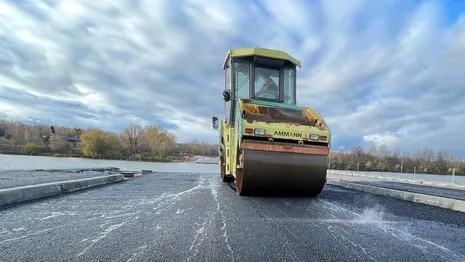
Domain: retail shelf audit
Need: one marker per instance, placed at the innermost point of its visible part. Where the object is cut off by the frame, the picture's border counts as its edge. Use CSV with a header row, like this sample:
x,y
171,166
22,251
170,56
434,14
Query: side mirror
x,y
215,123
227,95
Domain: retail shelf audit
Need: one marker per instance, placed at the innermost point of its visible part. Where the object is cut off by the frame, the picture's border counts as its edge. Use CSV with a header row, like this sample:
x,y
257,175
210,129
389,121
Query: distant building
x,y
73,140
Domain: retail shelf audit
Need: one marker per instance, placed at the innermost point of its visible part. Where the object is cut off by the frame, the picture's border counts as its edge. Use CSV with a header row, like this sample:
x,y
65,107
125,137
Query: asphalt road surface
x,y
194,217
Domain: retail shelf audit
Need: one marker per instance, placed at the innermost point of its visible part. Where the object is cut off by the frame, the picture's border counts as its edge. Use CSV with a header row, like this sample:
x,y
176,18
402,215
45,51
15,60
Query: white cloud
x,y
388,72
389,140
11,111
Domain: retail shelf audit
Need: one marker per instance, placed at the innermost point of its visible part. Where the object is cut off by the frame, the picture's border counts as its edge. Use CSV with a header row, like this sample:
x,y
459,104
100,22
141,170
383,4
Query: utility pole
x,y
402,163
453,173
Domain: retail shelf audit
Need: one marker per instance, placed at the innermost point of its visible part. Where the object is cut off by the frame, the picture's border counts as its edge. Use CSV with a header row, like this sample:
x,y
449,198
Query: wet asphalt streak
x,y
195,217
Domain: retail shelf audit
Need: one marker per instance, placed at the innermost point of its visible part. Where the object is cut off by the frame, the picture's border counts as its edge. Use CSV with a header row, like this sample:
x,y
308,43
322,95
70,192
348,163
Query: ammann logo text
x,y
287,133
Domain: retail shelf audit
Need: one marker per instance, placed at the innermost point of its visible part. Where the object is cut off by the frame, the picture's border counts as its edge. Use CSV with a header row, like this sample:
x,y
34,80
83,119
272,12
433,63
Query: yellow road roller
x,y
267,143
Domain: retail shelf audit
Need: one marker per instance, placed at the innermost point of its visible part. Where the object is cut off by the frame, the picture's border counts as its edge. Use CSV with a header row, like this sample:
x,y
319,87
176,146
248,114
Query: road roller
x,y
268,143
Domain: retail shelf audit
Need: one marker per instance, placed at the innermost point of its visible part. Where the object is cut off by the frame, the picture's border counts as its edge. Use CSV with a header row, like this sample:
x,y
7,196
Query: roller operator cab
x,y
267,142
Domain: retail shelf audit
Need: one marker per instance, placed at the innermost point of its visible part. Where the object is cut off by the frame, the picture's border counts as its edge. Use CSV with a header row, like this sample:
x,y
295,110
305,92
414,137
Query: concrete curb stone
x,y
16,195
443,202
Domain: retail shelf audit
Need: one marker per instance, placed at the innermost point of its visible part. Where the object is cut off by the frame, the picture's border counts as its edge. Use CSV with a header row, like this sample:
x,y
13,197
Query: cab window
x,y
242,79
289,85
266,83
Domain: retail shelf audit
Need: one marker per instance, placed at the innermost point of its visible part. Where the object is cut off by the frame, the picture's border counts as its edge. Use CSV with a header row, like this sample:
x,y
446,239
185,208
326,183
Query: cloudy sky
x,y
388,72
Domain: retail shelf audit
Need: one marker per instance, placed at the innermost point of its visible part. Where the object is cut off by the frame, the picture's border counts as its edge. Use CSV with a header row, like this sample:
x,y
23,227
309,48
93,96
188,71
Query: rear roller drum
x,y
239,175
262,172
225,178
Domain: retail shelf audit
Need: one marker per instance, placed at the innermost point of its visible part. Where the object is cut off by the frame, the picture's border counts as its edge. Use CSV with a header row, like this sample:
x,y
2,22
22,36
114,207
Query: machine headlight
x,y
314,137
259,131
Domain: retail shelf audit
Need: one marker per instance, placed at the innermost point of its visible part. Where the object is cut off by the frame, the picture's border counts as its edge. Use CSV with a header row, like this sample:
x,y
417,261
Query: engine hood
x,y
269,112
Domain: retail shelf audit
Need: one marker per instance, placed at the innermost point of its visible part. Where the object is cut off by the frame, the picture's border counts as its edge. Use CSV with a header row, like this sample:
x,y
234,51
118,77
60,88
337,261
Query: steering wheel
x,y
268,94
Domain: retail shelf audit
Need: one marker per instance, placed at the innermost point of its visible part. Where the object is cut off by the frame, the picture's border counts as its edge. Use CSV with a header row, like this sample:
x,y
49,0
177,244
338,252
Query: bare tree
x,y
131,137
383,151
58,144
357,153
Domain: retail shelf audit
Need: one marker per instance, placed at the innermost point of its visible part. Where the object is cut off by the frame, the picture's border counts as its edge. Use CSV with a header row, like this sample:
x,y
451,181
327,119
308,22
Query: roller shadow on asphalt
x,y
276,194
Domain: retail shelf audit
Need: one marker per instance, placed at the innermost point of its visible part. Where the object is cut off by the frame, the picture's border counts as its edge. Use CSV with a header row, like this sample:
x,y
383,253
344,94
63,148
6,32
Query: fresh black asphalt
x,y
195,217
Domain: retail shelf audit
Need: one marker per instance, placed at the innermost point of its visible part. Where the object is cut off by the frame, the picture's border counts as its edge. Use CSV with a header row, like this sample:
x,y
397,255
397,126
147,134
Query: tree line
x,y
155,143
423,161
135,142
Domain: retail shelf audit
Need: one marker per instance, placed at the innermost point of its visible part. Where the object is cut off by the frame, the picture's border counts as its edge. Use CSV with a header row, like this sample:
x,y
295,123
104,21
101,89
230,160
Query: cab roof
x,y
263,52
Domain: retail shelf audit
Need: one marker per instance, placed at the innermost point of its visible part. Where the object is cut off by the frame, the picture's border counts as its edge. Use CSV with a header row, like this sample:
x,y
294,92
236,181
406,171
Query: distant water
x,y
207,160
19,162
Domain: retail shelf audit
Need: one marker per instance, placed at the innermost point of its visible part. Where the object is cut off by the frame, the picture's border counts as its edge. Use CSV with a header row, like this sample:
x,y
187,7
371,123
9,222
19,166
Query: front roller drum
x,y
268,172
